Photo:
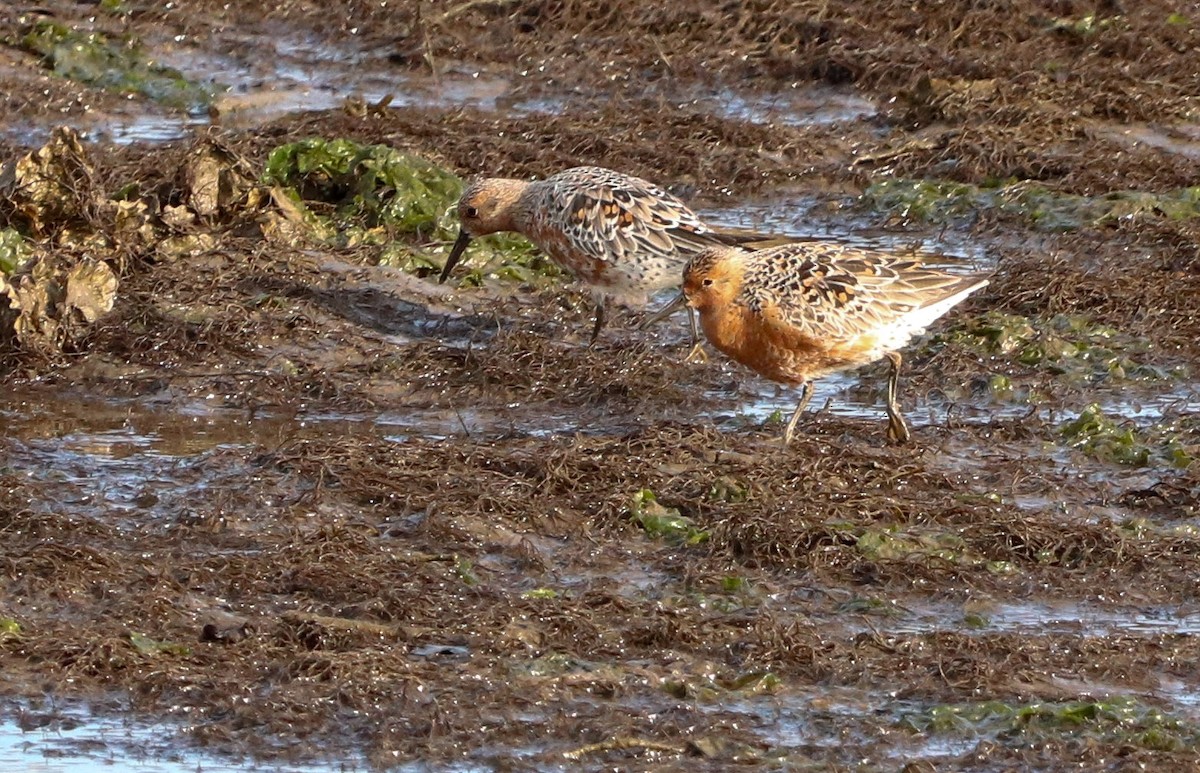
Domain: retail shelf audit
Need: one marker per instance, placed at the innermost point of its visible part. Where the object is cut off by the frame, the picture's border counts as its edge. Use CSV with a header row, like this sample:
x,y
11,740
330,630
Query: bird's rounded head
x,y
489,205
713,277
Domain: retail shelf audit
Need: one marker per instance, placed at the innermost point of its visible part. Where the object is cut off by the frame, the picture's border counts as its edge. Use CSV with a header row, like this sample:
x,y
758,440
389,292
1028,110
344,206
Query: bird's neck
x,y
523,209
724,326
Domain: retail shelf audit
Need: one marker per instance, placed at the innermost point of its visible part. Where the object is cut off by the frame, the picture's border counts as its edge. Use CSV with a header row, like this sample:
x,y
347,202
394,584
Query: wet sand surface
x,y
271,496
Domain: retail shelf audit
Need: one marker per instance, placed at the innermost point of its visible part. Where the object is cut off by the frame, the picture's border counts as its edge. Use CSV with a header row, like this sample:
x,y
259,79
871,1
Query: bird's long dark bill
x,y
456,252
664,312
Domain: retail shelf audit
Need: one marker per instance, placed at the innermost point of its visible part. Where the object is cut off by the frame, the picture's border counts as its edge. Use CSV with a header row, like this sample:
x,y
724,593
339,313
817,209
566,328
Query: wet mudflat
x,y
271,494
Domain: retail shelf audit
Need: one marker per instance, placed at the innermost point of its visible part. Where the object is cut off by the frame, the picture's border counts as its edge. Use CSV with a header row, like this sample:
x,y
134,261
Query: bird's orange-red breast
x,y
800,311
623,236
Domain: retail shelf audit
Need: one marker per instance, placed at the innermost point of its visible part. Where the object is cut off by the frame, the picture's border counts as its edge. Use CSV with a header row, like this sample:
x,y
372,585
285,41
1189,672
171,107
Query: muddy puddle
x,y
298,72
291,505
55,740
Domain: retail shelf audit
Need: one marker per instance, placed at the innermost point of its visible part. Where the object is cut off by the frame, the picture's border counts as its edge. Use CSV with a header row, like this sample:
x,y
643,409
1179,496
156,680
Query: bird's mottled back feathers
x,y
831,291
612,217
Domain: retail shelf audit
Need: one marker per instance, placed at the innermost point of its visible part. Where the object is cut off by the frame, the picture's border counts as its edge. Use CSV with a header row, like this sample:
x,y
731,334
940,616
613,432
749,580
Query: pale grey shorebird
x,y
800,311
621,235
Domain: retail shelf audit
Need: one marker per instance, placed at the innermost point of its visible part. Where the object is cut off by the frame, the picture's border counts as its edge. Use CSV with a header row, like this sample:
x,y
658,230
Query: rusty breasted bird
x,y
800,311
622,235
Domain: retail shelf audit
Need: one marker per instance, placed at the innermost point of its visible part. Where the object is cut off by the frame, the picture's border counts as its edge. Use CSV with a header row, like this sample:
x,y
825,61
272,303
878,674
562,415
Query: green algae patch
x,y
664,522
976,621
1103,437
510,257
540,593
711,689
553,664
147,646
878,544
122,66
369,186
891,544
869,605
116,7
728,490
1071,346
734,584
1046,210
931,200
9,628
465,569
1084,27
14,251
1120,719
725,595
1139,528
352,195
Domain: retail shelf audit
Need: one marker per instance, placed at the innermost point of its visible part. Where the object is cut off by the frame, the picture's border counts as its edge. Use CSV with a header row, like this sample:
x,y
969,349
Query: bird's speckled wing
x,y
612,217
832,292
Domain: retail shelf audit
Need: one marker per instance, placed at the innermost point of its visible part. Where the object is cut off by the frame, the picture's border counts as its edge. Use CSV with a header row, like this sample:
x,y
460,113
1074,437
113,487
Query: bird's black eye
x,y
471,212
707,283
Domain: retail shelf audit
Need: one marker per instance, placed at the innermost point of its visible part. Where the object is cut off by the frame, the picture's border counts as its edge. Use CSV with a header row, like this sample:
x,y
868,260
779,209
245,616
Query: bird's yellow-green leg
x,y
697,354
897,429
805,395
